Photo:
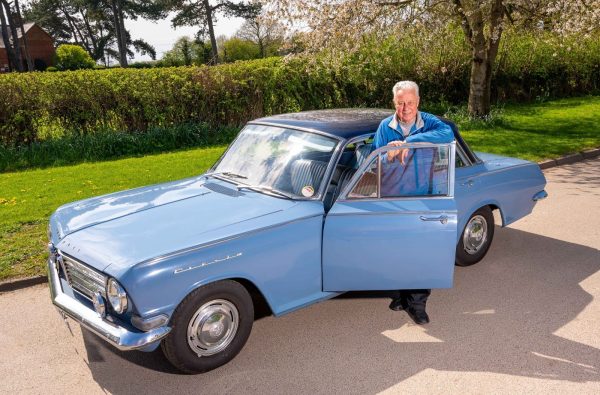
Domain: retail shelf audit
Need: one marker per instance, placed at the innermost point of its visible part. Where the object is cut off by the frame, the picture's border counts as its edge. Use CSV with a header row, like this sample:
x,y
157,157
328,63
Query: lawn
x,y
27,198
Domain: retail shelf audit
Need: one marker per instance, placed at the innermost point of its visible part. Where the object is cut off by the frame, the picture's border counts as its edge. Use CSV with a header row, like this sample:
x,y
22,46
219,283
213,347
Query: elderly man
x,y
409,125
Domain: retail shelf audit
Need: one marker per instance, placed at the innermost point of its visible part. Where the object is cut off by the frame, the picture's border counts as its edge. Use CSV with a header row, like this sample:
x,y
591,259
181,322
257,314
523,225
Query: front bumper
x,y
120,337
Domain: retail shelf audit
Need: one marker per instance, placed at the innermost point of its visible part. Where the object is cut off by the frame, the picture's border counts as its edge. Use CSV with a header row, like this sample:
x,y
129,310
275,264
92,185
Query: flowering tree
x,y
339,25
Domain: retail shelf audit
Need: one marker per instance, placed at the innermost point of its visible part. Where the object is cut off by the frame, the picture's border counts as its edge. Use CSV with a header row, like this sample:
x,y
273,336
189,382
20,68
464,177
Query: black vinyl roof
x,y
345,123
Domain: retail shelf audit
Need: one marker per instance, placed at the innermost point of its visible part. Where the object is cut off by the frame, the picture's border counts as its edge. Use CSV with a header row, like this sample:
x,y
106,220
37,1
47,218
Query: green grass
x,y
538,131
27,198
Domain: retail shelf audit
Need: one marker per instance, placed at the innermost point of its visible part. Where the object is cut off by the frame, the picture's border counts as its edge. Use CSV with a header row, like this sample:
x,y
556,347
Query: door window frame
x,y
343,197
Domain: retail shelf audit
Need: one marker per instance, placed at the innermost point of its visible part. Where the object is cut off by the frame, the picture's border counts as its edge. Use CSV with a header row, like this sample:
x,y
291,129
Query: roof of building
x,y
26,26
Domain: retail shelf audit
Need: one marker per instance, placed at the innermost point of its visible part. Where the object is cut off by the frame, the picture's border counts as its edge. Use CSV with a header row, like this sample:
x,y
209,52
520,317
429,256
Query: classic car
x,y
299,209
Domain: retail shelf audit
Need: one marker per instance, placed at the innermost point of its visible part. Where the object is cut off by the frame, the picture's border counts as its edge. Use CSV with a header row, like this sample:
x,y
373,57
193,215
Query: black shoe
x,y
419,316
398,304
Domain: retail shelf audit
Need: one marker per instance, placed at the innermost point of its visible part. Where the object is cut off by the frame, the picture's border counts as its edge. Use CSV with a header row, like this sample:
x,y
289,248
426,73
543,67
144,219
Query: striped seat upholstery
x,y
307,173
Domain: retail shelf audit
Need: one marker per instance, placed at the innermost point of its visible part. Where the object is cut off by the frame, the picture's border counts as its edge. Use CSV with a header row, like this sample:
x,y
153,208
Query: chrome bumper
x,y
118,336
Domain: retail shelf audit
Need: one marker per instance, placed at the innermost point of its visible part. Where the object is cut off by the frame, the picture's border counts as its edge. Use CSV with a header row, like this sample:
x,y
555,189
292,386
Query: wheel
x,y
476,237
210,327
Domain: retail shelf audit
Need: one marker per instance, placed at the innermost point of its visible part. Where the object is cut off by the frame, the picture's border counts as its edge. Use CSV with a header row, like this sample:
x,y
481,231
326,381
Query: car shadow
x,y
505,315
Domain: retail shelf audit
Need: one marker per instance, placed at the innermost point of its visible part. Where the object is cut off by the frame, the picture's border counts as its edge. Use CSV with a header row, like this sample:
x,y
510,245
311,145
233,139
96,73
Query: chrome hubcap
x,y
475,235
212,327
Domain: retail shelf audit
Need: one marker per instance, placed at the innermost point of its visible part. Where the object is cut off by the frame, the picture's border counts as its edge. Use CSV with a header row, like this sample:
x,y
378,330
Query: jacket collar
x,y
395,123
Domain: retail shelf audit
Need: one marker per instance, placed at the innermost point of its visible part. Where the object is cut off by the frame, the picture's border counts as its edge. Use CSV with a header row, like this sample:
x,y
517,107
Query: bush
x,y
38,107
73,57
51,69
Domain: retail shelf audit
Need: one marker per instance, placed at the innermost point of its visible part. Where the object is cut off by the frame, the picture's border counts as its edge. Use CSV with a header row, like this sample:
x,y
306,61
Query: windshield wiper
x,y
227,174
262,188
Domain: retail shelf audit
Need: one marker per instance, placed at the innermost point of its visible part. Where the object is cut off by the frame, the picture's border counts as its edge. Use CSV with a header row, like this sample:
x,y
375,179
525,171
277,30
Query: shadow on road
x,y
500,317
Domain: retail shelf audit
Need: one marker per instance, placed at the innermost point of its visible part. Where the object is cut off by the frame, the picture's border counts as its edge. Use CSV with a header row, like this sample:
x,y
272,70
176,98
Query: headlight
x,y
116,296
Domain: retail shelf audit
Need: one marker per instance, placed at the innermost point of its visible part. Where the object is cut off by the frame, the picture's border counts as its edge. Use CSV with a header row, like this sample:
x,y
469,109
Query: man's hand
x,y
400,154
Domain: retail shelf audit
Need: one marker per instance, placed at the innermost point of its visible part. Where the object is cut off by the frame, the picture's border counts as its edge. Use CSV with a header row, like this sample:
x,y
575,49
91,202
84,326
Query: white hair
x,y
406,85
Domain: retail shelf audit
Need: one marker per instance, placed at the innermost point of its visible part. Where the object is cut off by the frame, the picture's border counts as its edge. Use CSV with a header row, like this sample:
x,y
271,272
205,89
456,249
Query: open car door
x,y
394,225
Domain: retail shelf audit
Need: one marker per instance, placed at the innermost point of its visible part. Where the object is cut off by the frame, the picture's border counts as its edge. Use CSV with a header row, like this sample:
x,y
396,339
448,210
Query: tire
x,y
476,237
210,327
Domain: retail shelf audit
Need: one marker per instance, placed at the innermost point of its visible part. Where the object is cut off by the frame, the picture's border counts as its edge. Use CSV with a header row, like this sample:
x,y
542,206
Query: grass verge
x,y
27,198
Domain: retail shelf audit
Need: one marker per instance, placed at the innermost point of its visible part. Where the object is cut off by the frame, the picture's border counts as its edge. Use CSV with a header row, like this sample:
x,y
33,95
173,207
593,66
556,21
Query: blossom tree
x,y
339,25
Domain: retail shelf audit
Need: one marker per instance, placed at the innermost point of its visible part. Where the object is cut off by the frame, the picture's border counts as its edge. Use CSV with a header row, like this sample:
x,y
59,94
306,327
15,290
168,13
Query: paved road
x,y
525,320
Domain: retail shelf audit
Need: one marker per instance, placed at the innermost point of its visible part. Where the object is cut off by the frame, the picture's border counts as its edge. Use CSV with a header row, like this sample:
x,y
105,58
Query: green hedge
x,y
38,108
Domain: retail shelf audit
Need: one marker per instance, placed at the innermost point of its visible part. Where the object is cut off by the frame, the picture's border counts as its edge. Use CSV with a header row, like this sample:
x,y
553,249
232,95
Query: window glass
x,y
404,173
415,172
366,187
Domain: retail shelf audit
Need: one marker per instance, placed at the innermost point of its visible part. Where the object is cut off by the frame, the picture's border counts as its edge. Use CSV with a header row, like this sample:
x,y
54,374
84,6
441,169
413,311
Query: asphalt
x,y
524,320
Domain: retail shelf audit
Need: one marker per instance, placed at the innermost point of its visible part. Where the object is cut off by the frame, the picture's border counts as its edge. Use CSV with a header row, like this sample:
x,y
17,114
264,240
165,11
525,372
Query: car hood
x,y
125,228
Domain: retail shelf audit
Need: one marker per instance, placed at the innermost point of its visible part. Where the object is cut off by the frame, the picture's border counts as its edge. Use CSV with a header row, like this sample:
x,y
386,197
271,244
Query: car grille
x,y
83,279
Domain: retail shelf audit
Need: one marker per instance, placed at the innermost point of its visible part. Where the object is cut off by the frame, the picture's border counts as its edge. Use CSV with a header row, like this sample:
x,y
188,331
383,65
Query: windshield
x,y
285,160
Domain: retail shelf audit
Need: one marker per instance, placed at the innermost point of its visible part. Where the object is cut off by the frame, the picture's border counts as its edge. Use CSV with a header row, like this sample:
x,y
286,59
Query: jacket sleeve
x,y
434,131
379,140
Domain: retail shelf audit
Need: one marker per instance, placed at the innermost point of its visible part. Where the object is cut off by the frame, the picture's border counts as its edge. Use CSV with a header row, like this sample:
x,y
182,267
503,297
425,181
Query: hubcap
x,y
475,235
212,327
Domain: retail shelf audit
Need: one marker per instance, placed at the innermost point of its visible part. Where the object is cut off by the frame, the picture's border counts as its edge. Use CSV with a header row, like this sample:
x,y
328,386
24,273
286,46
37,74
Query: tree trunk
x,y
90,34
118,34
211,32
6,39
483,50
480,86
24,37
123,34
15,37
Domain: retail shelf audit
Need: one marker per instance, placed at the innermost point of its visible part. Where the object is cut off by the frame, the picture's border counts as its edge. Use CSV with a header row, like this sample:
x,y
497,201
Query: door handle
x,y
468,183
442,218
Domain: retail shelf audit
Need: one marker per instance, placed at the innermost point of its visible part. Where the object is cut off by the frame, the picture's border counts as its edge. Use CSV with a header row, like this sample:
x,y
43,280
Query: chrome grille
x,y
83,279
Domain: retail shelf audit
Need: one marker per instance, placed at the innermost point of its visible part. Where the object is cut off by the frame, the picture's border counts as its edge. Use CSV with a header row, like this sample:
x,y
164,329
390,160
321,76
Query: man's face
x,y
407,103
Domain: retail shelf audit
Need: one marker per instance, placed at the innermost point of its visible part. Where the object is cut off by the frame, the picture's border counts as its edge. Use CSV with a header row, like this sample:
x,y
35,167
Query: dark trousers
x,y
415,298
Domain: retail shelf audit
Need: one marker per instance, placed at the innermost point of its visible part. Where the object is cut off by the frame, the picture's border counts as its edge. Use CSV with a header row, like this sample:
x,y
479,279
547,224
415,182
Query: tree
x,y
238,49
268,34
73,57
96,25
10,36
342,23
203,14
186,52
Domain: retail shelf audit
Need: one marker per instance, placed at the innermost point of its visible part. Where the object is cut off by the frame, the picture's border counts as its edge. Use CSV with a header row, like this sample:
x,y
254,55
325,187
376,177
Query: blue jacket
x,y
415,178
428,128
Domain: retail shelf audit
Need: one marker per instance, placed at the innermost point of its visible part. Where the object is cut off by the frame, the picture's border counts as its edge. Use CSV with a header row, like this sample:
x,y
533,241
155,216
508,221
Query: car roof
x,y
348,123
345,123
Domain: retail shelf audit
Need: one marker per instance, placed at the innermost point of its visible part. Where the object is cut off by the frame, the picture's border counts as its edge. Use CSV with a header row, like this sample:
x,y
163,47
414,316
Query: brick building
x,y
41,48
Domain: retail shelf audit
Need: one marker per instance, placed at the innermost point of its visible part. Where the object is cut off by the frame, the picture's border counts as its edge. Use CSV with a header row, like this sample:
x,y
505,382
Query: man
x,y
409,125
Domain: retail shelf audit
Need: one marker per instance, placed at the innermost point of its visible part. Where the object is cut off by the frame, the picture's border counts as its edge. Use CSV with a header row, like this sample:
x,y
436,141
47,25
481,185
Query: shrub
x,y
73,57
51,69
38,107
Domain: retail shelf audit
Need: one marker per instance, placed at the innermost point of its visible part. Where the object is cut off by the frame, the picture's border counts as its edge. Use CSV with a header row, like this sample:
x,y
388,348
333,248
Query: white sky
x,y
162,36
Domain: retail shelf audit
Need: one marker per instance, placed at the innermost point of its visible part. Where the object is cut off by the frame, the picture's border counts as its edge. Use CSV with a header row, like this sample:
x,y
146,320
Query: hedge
x,y
37,107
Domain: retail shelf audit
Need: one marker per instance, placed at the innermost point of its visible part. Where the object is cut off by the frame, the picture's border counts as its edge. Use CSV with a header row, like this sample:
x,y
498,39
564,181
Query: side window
x,y
420,171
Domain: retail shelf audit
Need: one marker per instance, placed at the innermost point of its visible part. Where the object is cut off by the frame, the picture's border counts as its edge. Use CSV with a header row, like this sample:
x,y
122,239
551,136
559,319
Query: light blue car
x,y
296,211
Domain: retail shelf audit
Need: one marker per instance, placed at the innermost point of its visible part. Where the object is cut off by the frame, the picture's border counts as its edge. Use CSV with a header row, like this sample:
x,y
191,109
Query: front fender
x,y
282,261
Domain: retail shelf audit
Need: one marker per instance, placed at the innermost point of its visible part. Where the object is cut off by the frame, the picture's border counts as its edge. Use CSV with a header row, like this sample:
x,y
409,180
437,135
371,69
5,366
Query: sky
x,y
162,36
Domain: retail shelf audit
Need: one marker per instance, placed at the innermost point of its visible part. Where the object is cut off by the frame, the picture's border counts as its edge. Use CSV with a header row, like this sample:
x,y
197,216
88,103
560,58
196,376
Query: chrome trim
x,y
82,278
213,327
454,212
310,130
204,264
198,247
146,324
463,156
120,337
475,235
442,218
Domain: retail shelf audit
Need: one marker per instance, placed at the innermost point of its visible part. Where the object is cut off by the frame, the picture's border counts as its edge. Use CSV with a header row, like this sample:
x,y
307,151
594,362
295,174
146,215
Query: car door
x,y
394,225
